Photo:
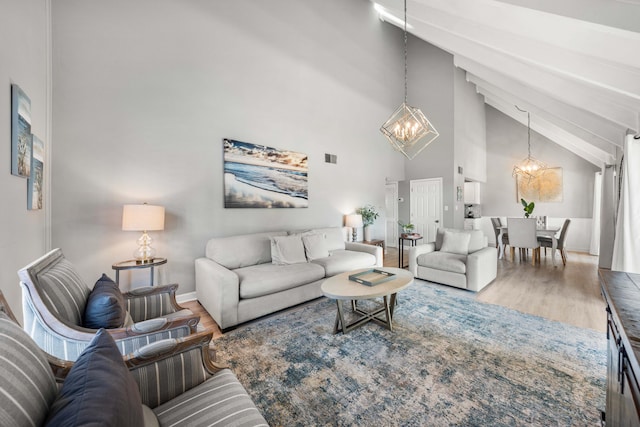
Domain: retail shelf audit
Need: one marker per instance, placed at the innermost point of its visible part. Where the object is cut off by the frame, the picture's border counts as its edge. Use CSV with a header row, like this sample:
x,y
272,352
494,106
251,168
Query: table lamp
x,y
354,221
143,218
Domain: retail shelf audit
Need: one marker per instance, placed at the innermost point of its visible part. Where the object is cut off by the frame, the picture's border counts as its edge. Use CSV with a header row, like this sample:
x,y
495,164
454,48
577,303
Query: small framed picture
x,y
35,183
21,138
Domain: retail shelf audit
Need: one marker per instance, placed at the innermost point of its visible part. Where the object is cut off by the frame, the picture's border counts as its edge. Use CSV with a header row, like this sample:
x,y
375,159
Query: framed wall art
x,y
35,183
21,139
545,188
257,176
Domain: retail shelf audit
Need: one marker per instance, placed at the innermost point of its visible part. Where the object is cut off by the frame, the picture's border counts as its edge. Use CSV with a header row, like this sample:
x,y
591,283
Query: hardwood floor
x,y
569,294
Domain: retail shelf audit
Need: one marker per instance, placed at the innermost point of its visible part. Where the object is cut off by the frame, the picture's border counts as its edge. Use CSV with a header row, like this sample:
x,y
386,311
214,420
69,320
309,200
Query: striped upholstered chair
x,y
54,297
103,389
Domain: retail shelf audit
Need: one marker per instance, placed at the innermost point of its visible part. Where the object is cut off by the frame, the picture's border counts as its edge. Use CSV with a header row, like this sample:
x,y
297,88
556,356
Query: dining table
x,y
541,231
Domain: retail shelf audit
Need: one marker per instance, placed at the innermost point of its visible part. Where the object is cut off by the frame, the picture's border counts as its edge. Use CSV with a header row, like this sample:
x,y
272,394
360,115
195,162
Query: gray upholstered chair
x,y
170,382
54,299
522,235
547,242
497,227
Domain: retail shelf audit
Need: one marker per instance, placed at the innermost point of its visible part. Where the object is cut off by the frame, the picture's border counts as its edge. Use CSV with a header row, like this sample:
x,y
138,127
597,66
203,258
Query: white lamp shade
x,y
142,218
354,221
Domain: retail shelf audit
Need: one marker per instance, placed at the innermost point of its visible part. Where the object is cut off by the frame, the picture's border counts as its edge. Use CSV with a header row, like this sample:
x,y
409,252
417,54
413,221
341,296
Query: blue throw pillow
x,y
99,390
105,306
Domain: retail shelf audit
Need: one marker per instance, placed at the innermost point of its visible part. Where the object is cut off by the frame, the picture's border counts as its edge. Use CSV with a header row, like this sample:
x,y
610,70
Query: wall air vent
x,y
330,158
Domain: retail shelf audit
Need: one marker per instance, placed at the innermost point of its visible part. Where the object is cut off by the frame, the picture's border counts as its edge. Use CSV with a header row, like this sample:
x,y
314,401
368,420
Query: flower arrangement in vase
x,y
369,215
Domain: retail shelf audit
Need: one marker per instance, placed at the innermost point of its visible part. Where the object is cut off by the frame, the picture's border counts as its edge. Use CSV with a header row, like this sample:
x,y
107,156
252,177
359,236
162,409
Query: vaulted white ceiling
x,y
574,64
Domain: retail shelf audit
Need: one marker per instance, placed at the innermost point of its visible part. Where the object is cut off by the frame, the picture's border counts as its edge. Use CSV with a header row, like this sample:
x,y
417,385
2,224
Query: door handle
x,y
437,221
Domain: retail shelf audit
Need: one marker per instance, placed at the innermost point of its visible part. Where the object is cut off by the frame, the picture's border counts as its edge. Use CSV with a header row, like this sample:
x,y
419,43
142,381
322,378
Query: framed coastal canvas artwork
x,y
546,188
20,132
34,184
257,176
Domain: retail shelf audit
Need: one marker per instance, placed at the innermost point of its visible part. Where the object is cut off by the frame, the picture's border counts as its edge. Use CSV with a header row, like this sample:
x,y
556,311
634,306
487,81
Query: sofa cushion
x,y
220,401
455,243
335,237
25,377
99,389
265,279
241,251
287,250
444,261
105,306
340,261
477,238
315,246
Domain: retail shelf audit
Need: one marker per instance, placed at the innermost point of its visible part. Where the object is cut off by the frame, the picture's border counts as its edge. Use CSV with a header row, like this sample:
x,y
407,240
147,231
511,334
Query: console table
x,y
133,264
622,294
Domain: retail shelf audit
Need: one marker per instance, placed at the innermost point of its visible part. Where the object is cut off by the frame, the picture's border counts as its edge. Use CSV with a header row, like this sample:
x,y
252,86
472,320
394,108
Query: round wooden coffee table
x,y
340,288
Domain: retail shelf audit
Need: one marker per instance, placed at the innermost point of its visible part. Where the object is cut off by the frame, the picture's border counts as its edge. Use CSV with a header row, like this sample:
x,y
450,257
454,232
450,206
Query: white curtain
x,y
594,247
626,247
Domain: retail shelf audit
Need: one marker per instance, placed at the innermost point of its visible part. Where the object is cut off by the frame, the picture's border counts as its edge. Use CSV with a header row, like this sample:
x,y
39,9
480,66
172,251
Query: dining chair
x,y
547,242
522,235
541,221
497,228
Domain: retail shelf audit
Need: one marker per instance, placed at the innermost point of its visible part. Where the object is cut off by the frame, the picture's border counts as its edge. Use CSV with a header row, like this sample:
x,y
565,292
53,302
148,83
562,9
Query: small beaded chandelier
x,y
530,168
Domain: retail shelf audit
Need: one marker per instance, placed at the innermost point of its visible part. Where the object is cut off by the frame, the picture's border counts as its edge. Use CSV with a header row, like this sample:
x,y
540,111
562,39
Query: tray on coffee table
x,y
371,277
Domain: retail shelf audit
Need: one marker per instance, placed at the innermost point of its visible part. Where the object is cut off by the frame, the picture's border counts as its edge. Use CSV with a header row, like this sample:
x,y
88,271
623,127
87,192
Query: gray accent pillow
x,y
455,243
287,250
315,246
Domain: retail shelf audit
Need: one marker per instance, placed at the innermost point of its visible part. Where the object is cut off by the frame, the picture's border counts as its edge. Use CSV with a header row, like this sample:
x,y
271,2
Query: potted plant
x,y
406,228
528,207
369,215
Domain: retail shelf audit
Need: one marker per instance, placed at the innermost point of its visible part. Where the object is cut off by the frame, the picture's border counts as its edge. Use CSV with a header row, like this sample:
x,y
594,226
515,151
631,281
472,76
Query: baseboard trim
x,y
189,296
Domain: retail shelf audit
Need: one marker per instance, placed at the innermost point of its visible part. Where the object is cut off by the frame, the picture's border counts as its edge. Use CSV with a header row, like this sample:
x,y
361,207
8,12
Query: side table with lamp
x,y
143,218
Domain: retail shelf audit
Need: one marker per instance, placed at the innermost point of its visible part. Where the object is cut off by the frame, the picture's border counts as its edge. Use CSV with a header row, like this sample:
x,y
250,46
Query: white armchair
x,y
459,258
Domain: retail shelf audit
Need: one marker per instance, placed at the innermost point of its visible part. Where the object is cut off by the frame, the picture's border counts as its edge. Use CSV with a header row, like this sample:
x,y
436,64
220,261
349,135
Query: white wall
x,y
145,91
470,128
23,61
469,136
431,90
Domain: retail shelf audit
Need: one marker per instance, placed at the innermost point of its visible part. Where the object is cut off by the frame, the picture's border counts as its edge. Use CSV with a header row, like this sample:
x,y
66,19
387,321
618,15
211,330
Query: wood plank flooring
x,y
569,294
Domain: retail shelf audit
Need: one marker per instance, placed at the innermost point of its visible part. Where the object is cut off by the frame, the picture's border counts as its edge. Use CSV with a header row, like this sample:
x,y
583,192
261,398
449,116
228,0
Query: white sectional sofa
x,y
459,258
241,278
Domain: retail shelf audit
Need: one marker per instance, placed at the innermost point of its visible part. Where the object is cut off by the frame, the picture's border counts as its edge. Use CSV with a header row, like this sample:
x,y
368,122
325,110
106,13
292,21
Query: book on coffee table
x,y
371,277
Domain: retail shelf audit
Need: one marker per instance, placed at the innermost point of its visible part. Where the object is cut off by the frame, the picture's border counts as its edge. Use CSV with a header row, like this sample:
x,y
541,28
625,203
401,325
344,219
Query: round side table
x,y
133,264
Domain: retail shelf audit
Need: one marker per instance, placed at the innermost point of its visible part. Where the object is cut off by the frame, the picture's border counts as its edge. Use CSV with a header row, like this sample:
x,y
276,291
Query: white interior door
x,y
426,207
391,214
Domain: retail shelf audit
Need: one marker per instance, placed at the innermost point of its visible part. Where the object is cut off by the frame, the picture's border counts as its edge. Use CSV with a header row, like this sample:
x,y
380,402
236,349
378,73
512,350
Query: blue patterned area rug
x,y
450,361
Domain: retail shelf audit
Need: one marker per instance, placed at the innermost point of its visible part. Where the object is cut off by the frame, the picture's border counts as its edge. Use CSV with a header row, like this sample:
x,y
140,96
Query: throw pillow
x,y
105,306
315,246
99,390
455,243
287,250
